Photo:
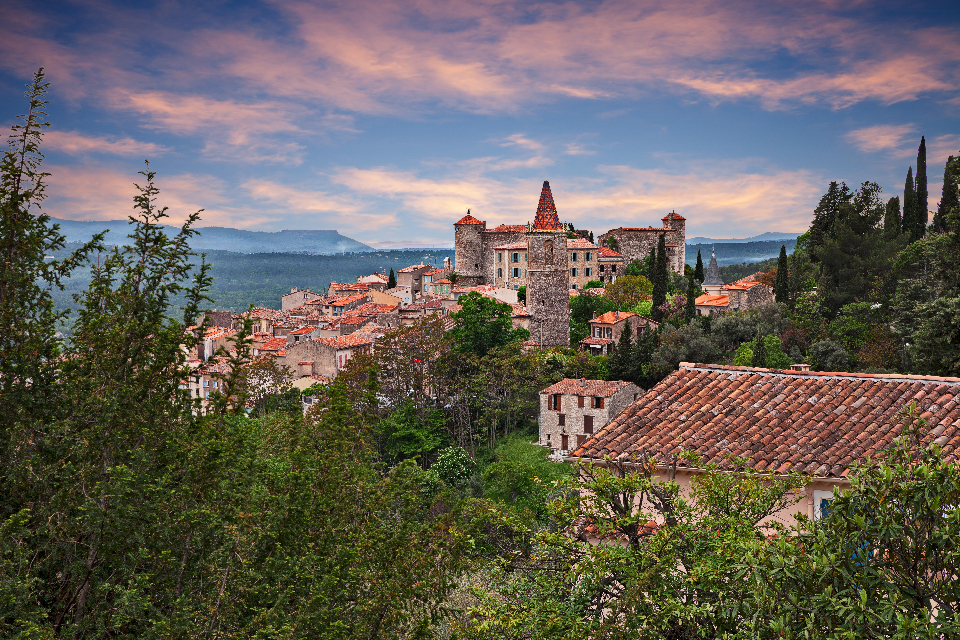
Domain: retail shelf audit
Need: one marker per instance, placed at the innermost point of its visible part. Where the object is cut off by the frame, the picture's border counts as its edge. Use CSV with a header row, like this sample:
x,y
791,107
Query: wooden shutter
x,y
562,419
580,401
588,424
565,442
581,439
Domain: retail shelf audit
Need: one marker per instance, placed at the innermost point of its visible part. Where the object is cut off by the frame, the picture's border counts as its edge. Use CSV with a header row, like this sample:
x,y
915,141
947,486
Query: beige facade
x,y
296,298
572,410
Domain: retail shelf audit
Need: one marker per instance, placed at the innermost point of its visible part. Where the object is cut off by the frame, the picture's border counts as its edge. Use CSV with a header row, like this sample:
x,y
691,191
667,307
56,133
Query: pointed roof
x,y
467,219
546,211
673,215
712,277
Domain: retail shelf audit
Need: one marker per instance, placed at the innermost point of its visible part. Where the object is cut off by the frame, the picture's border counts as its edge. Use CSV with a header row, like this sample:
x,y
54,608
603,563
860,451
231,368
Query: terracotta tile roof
x,y
607,252
580,243
611,317
352,320
386,308
349,300
349,286
546,218
274,344
413,267
345,342
596,341
712,301
442,281
812,422
367,308
468,219
673,215
584,387
509,228
519,311
302,331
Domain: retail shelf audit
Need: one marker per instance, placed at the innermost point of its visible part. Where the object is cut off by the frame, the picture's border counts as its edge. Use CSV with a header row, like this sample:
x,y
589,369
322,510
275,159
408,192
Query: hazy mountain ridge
x,y
763,237
320,242
738,252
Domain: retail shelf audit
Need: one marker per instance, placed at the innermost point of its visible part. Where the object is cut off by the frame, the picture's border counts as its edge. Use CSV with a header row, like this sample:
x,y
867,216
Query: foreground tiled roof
x,y
546,218
810,422
349,300
584,387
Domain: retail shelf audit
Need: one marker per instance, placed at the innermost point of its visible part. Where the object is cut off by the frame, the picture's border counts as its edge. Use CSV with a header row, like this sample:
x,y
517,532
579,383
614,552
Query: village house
x,y
814,423
326,356
412,278
606,329
572,410
610,265
296,298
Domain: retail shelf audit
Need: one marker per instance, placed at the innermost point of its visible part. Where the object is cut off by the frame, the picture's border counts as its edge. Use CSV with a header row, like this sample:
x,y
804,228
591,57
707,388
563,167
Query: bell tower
x,y
548,300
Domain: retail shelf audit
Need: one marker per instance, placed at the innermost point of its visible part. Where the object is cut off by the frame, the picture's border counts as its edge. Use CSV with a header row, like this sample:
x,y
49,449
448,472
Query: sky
x,y
387,120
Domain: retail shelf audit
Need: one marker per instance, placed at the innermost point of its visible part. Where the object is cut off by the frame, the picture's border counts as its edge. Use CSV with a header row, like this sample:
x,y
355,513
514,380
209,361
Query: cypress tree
x,y
909,224
391,279
921,188
781,288
659,280
950,197
891,219
691,309
760,351
618,365
698,272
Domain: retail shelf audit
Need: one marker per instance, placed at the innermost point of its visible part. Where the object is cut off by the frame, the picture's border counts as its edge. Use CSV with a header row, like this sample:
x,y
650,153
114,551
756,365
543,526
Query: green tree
x,y
891,218
484,324
828,212
520,476
782,286
829,355
879,564
950,196
409,433
392,279
911,215
690,312
759,351
921,189
522,294
620,362
698,273
627,291
454,466
612,243
659,297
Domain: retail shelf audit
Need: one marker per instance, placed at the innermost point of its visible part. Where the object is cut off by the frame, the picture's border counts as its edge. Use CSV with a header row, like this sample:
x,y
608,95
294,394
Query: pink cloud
x,y
883,137
74,142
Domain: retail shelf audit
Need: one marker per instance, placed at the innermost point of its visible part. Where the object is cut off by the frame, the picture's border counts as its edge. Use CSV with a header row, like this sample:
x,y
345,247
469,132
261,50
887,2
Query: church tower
x,y
548,300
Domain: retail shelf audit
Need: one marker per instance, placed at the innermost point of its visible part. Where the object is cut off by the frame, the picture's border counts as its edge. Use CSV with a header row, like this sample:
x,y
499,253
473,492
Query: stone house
x,y
296,298
303,333
381,298
412,278
342,305
635,243
404,294
610,265
572,410
815,423
606,329
326,356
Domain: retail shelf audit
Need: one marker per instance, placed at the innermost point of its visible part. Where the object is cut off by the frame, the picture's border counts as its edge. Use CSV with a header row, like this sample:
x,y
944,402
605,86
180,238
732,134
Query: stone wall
x,y
548,300
323,356
551,432
468,252
636,244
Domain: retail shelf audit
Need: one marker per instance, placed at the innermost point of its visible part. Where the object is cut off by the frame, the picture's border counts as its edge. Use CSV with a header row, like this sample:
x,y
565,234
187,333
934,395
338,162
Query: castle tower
x,y
468,249
548,300
678,236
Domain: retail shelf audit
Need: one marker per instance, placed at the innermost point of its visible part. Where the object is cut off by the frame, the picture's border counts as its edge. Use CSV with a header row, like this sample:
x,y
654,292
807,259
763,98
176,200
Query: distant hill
x,y
768,236
729,253
320,242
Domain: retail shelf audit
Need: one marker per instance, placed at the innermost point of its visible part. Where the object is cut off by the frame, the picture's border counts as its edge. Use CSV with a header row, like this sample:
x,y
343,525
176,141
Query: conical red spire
x,y
546,211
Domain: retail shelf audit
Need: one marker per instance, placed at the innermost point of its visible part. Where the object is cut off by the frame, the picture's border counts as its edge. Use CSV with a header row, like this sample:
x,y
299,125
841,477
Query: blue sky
x,y
387,120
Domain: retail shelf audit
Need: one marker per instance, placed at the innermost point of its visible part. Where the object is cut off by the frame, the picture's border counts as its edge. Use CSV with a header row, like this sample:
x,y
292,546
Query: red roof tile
x,y
584,387
580,243
413,267
345,342
611,317
467,219
812,422
274,344
546,218
509,228
674,215
712,301
607,252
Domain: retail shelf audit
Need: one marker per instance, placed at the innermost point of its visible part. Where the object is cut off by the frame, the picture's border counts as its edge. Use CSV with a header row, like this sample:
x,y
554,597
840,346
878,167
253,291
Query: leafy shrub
x,y
829,355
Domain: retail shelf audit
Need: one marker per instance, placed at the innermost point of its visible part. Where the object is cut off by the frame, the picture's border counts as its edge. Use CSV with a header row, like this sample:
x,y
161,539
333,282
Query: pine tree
x,y
909,223
620,360
760,351
391,279
698,272
781,287
691,308
950,197
921,188
891,219
659,281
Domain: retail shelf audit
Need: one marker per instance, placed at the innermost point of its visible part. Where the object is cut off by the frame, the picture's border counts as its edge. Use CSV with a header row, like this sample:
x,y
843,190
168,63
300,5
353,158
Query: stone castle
x,y
541,257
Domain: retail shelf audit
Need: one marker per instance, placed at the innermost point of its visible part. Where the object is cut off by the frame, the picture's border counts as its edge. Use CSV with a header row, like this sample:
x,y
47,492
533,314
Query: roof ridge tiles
x,y
812,375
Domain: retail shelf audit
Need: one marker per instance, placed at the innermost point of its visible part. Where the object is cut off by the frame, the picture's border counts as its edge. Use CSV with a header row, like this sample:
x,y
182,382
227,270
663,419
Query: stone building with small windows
x,y
572,410
606,329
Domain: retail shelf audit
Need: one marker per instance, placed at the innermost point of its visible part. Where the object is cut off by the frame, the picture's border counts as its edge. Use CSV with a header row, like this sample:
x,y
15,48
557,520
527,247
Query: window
x,y
581,439
573,257
516,257
601,268
580,401
588,272
609,333
562,419
588,424
821,503
499,273
206,383
613,268
524,257
573,272
516,272
588,256
524,273
499,257
598,403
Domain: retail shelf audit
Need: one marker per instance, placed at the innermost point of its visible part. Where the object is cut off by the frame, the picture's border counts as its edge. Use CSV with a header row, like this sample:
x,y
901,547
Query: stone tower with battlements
x,y
548,298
